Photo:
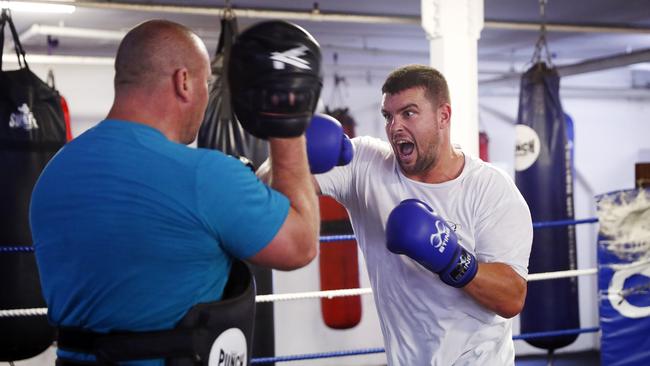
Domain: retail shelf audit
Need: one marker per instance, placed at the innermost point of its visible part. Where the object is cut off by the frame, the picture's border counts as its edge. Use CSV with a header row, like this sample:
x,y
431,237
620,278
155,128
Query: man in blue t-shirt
x,y
132,228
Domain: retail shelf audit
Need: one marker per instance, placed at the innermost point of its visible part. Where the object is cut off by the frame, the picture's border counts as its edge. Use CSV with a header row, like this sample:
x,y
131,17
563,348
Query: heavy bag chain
x,y
541,43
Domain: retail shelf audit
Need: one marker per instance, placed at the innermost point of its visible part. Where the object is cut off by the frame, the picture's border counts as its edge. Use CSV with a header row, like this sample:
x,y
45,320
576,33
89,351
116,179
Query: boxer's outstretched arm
x,y
294,245
327,147
499,288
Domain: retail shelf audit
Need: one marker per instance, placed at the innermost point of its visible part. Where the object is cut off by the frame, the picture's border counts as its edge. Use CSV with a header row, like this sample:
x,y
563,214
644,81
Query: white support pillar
x,y
453,28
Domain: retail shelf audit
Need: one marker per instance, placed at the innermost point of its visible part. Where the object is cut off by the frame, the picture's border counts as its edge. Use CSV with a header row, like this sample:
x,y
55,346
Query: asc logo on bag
x,y
527,147
23,118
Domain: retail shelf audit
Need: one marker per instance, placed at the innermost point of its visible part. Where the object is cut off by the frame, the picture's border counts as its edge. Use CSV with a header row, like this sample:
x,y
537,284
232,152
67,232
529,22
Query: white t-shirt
x,y
423,320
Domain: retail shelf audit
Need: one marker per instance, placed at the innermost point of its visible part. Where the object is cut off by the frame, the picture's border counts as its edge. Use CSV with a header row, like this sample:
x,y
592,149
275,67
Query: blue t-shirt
x,y
131,230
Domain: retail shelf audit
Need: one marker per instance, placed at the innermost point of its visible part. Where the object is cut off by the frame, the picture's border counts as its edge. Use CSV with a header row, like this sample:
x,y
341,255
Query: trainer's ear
x,y
181,80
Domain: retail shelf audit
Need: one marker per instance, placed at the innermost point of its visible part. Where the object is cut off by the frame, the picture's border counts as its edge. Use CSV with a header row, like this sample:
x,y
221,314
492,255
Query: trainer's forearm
x,y
290,175
499,288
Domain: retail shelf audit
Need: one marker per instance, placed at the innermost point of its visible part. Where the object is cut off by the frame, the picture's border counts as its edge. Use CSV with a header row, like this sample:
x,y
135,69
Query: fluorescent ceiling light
x,y
25,6
63,60
643,66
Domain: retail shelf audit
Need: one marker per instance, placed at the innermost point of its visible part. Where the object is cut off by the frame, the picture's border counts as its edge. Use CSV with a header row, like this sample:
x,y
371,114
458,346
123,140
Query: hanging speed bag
x,y
338,260
544,177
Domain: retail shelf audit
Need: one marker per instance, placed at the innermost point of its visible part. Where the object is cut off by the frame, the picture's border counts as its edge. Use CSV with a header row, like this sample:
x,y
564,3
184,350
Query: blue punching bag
x,y
545,178
570,135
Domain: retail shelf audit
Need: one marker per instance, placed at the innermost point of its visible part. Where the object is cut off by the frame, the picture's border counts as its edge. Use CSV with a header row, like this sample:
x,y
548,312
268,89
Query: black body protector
x,y
215,333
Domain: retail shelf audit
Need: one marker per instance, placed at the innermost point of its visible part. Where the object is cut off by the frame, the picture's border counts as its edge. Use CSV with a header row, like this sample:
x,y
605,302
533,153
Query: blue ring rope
x,y
536,225
555,333
543,224
16,249
311,356
332,238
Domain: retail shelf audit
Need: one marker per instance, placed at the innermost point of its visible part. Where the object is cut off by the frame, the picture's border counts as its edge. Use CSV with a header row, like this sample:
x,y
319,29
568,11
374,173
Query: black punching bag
x,y
544,177
222,131
220,128
32,130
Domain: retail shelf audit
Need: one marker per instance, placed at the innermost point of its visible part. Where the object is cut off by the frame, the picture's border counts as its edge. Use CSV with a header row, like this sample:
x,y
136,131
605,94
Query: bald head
x,y
155,49
162,71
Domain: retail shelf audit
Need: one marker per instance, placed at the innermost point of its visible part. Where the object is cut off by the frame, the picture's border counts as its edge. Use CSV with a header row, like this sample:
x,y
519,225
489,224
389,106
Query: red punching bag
x,y
66,115
338,260
483,141
64,105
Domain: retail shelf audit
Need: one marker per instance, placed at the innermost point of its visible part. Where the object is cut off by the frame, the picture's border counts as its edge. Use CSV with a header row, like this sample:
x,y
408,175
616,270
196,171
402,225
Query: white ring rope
x,y
561,274
314,294
330,294
22,312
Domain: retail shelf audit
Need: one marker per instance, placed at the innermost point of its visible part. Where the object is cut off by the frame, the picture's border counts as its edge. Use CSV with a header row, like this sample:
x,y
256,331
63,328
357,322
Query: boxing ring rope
x,y
328,239
536,225
358,291
367,290
22,312
330,294
365,351
312,356
545,224
16,249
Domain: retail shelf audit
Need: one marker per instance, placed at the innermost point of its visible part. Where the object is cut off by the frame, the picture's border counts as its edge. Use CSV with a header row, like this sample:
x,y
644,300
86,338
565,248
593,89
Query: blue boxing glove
x,y
347,151
327,145
415,230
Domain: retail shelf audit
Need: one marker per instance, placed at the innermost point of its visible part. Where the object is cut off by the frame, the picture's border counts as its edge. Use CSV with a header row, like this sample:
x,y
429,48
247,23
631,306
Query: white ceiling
x,y
362,46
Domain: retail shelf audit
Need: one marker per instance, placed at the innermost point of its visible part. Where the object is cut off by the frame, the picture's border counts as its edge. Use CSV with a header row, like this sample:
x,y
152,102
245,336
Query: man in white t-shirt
x,y
428,319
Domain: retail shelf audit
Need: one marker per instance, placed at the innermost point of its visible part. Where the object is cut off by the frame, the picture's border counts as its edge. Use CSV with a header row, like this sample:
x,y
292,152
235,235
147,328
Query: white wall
x,y
88,89
610,133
